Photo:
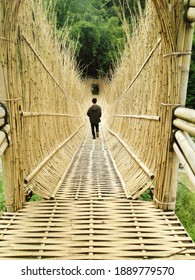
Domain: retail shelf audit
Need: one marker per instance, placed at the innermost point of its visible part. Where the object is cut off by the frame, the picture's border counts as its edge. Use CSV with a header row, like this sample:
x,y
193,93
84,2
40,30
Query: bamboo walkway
x,y
91,219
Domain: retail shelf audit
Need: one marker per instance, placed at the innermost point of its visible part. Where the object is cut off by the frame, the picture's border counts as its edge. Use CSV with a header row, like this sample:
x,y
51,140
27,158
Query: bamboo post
x,y
185,164
187,149
173,181
174,161
184,44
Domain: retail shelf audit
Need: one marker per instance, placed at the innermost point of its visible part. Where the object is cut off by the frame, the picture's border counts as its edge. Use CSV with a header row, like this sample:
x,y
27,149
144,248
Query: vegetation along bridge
x,y
90,189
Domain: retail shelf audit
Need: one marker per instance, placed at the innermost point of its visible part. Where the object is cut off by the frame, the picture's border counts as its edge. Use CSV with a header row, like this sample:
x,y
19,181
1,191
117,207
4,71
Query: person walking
x,y
94,113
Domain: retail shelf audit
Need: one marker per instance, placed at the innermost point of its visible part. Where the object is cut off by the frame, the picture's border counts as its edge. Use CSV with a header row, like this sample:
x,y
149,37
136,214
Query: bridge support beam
x,y
184,44
165,193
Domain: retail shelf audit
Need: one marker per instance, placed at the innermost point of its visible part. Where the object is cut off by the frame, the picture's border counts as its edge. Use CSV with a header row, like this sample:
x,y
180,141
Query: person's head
x,y
94,100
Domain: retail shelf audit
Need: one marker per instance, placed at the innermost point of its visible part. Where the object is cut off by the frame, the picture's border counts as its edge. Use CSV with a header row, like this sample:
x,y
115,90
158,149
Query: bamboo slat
x,y
155,118
41,84
90,226
33,114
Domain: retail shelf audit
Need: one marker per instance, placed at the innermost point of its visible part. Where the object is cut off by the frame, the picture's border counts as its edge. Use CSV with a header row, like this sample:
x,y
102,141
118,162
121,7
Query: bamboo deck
x,y
91,219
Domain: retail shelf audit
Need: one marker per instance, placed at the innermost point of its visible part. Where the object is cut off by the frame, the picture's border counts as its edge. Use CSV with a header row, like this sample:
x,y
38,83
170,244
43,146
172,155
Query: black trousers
x,y
94,129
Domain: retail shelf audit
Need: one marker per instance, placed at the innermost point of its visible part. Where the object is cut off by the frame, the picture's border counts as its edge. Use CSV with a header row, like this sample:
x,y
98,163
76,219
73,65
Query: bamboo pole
x,y
184,163
34,114
133,155
192,3
184,43
183,52
184,125
189,139
186,148
154,118
185,114
173,182
47,158
191,14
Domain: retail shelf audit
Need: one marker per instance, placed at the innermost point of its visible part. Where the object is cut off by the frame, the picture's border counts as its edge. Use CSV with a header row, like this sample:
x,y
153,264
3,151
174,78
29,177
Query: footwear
x,y
97,134
93,138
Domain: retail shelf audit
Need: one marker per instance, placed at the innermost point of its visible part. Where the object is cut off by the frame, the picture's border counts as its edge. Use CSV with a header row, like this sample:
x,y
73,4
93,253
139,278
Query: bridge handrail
x,y
47,158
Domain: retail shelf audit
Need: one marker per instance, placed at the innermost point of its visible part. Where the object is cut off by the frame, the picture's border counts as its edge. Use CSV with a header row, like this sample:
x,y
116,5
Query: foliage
x,y
97,30
146,196
36,197
185,209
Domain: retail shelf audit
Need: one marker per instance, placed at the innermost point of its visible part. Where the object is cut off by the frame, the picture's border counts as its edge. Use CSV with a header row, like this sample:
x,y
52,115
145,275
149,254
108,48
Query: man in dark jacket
x,y
94,113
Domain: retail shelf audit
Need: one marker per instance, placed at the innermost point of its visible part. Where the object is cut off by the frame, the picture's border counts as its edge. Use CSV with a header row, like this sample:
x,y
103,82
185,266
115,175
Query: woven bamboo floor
x,y
91,219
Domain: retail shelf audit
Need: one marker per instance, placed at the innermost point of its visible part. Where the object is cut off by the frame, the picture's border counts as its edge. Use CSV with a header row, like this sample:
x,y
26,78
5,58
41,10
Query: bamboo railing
x,y
39,86
149,83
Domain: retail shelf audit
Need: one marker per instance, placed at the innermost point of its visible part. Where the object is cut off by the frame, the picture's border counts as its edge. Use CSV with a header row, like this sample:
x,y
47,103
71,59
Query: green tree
x,y
97,30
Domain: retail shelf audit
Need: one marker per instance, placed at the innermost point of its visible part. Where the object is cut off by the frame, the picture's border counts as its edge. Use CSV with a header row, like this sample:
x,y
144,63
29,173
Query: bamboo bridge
x,y
91,207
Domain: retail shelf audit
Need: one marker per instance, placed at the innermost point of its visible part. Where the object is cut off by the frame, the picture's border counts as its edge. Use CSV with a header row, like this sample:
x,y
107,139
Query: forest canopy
x,y
97,31
95,28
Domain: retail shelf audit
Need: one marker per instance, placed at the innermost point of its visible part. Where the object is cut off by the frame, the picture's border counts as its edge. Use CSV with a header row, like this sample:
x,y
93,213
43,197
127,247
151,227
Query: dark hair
x,y
94,100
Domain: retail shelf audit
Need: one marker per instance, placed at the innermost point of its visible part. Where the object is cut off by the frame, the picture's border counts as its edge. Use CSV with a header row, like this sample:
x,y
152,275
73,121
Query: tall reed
x,y
43,92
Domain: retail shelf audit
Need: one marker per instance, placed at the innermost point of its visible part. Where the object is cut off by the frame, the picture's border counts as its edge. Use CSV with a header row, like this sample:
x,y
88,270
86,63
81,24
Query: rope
x,y
166,203
178,53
